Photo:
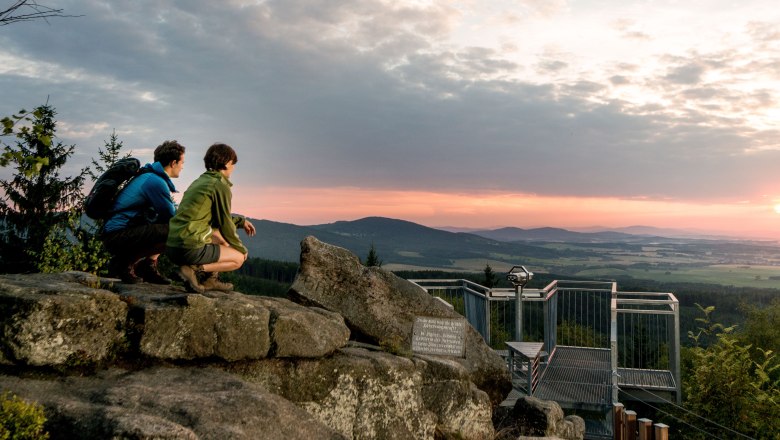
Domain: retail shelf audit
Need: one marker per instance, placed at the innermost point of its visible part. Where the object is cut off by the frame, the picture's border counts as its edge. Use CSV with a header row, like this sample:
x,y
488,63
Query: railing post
x,y
661,431
546,324
645,429
488,336
617,419
519,313
613,343
630,426
676,358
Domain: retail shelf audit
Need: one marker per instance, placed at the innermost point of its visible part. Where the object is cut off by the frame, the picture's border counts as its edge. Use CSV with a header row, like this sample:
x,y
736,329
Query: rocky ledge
x,y
108,360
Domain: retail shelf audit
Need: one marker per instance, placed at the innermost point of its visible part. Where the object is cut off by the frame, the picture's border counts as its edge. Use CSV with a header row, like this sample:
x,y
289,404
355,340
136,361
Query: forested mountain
x,y
397,241
609,254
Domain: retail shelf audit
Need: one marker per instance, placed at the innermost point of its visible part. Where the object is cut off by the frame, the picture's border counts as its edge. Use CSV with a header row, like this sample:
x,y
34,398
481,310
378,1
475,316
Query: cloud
x,y
378,94
686,74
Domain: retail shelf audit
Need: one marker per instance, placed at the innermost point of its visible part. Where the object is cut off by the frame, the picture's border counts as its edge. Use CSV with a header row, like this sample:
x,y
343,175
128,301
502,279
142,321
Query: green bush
x,y
731,383
20,420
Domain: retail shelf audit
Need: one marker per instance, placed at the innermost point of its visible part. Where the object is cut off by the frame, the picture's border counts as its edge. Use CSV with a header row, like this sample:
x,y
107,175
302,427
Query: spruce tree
x,y
372,259
38,199
490,276
108,156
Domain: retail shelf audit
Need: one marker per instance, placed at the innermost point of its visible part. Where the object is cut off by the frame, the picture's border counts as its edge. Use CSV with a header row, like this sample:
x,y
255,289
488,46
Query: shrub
x,y
20,420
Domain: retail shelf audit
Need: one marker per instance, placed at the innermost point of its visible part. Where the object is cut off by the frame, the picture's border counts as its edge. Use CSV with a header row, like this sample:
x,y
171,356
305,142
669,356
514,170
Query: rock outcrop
x,y
58,319
531,418
108,360
380,307
165,403
62,320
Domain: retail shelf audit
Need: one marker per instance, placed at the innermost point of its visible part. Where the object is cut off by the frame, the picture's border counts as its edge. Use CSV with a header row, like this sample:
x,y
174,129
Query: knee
x,y
237,262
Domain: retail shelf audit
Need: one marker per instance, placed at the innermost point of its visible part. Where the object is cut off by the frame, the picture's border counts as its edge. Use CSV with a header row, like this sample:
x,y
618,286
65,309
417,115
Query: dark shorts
x,y
136,242
205,255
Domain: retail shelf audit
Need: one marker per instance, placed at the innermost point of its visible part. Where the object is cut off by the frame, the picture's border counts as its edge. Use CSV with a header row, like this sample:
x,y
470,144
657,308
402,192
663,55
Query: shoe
x,y
189,275
147,269
212,282
129,277
126,273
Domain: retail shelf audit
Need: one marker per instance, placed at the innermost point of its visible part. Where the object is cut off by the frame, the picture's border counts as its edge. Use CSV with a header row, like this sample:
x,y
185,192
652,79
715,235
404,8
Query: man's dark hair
x,y
219,155
167,152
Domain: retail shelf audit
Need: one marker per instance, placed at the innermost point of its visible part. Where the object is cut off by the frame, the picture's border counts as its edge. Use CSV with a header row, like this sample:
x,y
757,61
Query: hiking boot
x,y
129,277
147,269
125,271
189,274
212,282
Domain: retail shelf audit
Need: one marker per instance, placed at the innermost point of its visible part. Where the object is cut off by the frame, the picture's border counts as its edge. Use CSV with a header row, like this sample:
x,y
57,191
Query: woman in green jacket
x,y
203,236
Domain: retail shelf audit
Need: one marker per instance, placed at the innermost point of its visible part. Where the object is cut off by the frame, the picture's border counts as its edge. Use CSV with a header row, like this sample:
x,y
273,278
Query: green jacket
x,y
205,205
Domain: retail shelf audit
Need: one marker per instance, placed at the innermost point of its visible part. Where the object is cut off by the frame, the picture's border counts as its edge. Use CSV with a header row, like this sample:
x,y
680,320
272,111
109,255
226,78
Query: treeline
x,y
263,277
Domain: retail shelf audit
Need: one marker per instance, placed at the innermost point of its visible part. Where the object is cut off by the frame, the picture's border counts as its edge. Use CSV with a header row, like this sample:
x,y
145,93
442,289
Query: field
x,y
712,263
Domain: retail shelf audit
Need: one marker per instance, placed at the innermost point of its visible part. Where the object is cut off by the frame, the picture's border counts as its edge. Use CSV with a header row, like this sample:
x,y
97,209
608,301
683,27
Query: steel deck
x,y
580,378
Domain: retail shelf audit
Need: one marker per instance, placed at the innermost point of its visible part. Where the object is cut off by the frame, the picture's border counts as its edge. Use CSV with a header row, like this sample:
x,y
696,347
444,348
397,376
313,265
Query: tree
x,y
490,276
108,157
27,10
9,154
36,203
76,245
372,259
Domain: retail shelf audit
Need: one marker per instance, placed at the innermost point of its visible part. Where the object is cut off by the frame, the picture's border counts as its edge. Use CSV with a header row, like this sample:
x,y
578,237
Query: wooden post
x,y
645,429
617,416
630,417
661,431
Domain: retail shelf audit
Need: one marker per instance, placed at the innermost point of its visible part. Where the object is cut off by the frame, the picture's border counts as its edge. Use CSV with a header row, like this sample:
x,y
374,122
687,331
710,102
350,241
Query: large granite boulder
x,y
58,319
532,418
230,326
184,403
73,319
366,393
380,307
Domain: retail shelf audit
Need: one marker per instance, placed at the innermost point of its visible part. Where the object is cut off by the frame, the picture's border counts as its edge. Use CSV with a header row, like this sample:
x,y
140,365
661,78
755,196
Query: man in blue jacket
x,y
136,232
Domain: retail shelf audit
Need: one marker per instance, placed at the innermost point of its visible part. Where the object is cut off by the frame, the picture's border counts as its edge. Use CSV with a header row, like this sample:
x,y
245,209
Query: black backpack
x,y
101,198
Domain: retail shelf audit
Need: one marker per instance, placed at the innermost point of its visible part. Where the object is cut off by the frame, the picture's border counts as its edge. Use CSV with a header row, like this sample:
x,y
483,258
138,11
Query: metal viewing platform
x,y
585,345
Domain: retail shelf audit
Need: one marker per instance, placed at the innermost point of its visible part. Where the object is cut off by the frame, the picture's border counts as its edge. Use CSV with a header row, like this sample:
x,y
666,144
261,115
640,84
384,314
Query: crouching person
x,y
137,229
203,237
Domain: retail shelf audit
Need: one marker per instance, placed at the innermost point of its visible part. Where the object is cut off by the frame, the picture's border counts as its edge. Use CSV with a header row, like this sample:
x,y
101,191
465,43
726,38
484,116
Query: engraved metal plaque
x,y
439,336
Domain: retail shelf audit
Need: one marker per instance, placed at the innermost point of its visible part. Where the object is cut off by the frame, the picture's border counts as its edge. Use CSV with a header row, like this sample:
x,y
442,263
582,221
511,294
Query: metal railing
x,y
639,329
648,329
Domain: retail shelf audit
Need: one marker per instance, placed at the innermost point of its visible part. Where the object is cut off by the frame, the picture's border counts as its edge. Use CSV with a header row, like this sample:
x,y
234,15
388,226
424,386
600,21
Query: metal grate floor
x,y
578,376
648,379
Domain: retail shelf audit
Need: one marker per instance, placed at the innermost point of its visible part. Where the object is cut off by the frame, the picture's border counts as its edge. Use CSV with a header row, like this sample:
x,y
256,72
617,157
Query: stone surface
x,y
534,418
370,394
231,326
166,403
248,366
195,326
299,331
380,307
73,319
463,410
58,319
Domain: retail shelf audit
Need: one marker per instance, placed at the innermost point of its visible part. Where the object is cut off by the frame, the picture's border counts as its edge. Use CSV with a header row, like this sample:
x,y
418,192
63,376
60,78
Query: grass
x,y
724,274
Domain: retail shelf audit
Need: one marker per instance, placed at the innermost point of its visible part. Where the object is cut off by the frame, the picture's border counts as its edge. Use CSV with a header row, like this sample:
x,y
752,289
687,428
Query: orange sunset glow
x,y
307,206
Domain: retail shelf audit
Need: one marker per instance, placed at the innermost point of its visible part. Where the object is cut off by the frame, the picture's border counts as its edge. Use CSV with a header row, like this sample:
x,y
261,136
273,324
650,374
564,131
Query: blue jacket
x,y
145,200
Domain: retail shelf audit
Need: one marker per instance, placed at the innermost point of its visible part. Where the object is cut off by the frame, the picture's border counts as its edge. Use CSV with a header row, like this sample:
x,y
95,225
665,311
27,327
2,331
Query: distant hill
x,y
555,235
407,244
396,241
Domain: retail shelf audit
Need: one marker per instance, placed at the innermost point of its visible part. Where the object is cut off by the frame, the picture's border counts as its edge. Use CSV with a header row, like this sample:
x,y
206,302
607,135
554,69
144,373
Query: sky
x,y
463,113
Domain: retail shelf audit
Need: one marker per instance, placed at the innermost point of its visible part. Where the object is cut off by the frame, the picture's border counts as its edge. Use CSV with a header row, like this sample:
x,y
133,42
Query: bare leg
x,y
229,259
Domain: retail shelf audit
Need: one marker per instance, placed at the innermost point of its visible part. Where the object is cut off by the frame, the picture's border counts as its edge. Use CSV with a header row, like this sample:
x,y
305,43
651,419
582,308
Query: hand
x,y
249,228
